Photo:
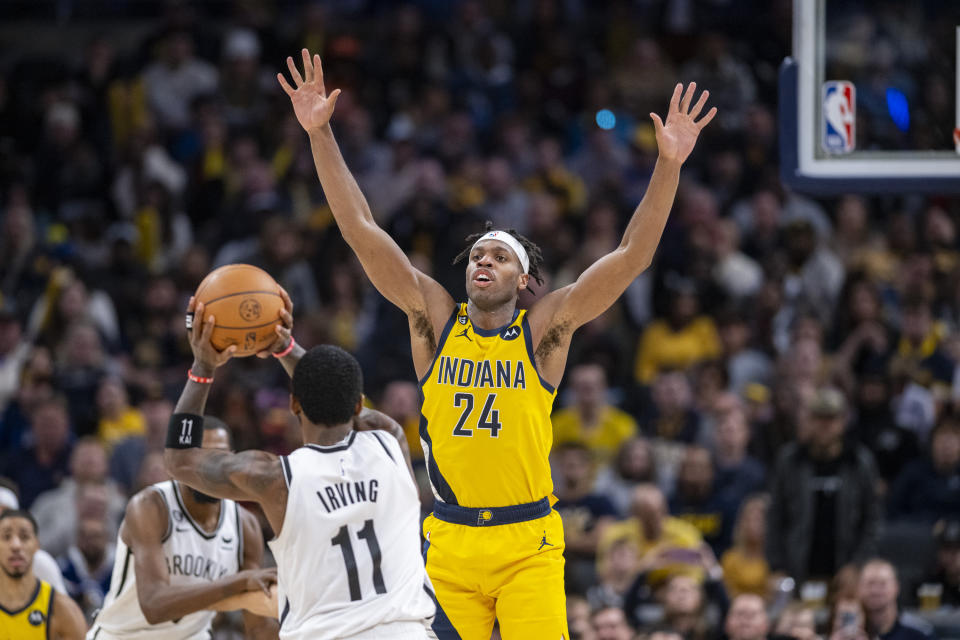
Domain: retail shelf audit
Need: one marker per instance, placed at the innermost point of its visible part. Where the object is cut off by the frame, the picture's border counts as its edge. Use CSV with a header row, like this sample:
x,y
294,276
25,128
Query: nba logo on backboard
x,y
839,116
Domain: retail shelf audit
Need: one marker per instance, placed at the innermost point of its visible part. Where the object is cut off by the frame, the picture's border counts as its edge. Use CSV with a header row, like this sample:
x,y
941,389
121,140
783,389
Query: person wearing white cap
x,y
488,374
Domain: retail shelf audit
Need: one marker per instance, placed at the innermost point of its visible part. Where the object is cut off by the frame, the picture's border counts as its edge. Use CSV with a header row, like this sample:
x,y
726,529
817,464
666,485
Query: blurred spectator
x,y
14,351
738,274
737,473
585,514
552,176
56,510
152,471
80,365
73,173
609,623
590,418
505,204
175,79
879,589
929,489
682,340
19,248
745,568
814,275
42,462
666,545
796,621
684,605
715,65
873,425
744,364
747,618
87,565
128,454
920,351
633,465
943,582
401,402
619,570
578,619
824,510
68,302
698,501
671,416
118,420
847,620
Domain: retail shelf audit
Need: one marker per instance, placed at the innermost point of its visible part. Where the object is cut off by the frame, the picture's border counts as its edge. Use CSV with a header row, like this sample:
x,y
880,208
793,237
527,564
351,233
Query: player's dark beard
x,y
202,497
15,575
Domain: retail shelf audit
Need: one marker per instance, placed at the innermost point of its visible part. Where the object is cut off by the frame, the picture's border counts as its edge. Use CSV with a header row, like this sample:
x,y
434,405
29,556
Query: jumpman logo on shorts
x,y
544,543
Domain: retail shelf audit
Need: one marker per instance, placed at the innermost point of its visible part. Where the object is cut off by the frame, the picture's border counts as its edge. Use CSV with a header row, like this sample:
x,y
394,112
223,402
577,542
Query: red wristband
x,y
198,379
286,351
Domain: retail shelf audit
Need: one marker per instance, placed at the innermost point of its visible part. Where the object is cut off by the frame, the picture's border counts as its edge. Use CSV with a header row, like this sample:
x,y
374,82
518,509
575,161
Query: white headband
x,y
511,242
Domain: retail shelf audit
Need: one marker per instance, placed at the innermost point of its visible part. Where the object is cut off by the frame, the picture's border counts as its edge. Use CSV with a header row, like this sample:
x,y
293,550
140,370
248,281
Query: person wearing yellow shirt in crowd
x,y
745,568
682,340
591,419
666,545
920,352
117,419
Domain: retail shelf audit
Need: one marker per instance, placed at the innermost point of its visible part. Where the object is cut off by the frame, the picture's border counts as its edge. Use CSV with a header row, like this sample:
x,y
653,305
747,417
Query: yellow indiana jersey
x,y
31,621
485,423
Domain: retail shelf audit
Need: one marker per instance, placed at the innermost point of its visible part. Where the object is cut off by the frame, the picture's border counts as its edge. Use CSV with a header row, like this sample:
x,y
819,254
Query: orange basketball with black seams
x,y
246,302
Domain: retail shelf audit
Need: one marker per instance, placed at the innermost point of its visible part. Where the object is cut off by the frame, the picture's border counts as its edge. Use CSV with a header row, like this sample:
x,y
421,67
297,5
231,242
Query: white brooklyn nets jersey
x,y
193,556
348,554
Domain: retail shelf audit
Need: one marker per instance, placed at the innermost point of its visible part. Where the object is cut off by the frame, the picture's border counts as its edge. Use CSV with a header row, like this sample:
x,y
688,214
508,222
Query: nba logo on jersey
x,y
839,116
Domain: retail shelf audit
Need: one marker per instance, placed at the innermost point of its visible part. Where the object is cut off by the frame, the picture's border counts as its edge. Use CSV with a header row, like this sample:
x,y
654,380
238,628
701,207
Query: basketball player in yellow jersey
x,y
29,608
488,374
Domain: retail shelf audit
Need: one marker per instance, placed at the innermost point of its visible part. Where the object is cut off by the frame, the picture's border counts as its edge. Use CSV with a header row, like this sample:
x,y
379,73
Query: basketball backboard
x,y
870,99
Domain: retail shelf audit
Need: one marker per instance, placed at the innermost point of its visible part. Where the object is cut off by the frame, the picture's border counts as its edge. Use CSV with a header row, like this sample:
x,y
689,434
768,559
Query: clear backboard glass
x,y
870,100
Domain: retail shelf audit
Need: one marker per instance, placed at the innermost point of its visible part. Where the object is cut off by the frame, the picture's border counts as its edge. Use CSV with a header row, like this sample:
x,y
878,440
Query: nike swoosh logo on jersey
x,y
226,540
182,530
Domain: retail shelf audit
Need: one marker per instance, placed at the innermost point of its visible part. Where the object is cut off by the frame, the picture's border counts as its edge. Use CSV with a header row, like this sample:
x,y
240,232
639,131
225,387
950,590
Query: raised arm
x,y
384,262
249,475
606,279
143,528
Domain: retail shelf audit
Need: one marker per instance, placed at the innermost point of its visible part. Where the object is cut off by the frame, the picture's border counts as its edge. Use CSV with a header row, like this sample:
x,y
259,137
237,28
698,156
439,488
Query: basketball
x,y
246,303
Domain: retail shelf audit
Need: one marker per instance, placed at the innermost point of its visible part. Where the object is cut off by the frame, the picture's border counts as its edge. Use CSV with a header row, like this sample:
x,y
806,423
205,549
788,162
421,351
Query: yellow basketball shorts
x,y
510,572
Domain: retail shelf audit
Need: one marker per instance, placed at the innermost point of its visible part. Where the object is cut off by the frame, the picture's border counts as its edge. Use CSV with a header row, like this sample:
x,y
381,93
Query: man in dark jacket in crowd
x,y
824,510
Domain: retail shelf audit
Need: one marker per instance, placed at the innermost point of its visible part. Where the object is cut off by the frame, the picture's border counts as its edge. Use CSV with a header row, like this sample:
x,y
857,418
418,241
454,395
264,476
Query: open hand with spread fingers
x,y
311,104
677,137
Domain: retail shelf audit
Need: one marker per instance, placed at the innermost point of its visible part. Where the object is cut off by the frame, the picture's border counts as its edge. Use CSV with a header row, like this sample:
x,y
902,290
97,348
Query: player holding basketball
x,y
344,506
29,608
180,555
488,374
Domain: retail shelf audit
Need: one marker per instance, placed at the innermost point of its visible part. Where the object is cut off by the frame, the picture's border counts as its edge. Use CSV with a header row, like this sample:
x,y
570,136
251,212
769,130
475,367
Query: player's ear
x,y
357,409
295,408
524,279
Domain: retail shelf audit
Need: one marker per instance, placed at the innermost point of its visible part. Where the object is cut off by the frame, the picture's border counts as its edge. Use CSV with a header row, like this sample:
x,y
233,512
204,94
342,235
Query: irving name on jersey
x,y
342,494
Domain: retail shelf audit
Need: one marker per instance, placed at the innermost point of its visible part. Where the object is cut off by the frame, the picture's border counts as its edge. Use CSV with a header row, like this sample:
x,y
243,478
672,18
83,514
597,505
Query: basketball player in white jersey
x,y
344,506
179,553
